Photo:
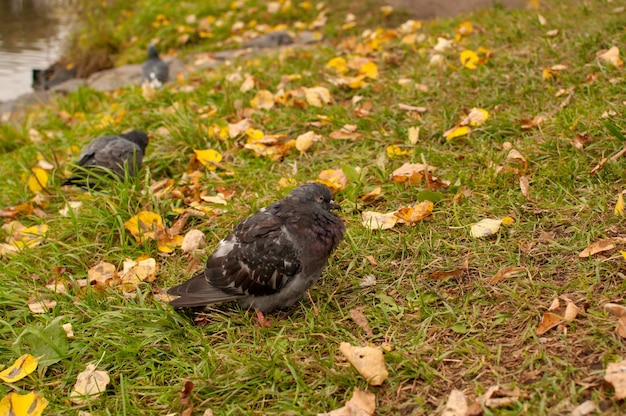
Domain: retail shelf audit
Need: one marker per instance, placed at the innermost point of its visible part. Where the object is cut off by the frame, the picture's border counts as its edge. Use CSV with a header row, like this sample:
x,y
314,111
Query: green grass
x,y
456,332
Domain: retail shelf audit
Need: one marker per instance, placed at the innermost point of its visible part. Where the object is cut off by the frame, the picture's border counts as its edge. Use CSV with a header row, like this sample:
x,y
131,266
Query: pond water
x,y
31,36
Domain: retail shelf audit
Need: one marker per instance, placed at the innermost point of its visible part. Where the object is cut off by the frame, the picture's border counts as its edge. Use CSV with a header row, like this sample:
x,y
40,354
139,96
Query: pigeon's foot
x,y
262,320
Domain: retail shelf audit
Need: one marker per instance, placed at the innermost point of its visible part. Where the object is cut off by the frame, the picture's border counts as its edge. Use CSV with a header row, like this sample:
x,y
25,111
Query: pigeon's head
x,y
138,137
152,52
315,193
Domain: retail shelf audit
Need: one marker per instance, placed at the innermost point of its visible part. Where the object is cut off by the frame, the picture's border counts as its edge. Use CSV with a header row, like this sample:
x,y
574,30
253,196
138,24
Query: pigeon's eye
x,y
320,198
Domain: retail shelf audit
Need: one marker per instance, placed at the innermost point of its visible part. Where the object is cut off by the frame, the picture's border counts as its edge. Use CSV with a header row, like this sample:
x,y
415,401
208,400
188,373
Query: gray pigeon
x,y
154,70
113,153
271,258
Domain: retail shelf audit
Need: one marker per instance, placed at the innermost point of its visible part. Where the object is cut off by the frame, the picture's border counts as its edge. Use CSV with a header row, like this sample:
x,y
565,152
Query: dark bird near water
x,y
116,154
271,258
154,70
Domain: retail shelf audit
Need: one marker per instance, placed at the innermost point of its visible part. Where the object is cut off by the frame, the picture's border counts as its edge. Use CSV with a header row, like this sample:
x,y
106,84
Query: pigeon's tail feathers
x,y
198,292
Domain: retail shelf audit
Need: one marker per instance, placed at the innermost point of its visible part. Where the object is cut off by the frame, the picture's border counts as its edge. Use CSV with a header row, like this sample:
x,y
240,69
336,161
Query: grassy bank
x,y
427,290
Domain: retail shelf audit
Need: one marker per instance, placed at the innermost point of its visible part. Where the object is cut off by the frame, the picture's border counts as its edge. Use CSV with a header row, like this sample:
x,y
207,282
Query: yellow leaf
x,y
415,213
368,361
464,29
38,180
623,253
168,244
263,99
469,59
254,135
485,228
507,221
396,151
30,404
355,82
29,237
369,70
456,131
334,179
22,367
144,225
619,206
89,384
137,271
338,64
317,96
286,182
476,117
306,140
548,73
208,157
378,221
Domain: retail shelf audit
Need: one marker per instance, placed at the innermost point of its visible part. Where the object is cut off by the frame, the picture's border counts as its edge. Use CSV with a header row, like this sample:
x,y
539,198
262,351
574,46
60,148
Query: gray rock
x,y
69,85
112,79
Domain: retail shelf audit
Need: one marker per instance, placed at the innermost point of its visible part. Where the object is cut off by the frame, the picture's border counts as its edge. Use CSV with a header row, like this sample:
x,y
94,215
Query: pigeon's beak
x,y
334,205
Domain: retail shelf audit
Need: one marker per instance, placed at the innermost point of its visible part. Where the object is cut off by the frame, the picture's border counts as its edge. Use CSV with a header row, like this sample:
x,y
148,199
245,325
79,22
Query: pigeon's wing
x,y
155,69
117,154
258,258
87,156
198,292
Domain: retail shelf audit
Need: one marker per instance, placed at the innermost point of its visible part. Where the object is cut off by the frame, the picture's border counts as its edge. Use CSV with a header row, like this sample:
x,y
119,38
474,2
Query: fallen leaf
x,y
585,408
102,274
70,206
41,306
89,384
476,117
185,398
368,361
263,99
533,122
335,179
612,57
485,228
456,404
360,319
524,186
306,140
555,315
134,272
378,221
144,225
317,96
371,195
619,206
38,180
68,330
412,173
30,404
192,241
505,273
415,213
397,151
469,59
456,131
362,403
616,375
620,312
598,247
209,158
22,367
414,135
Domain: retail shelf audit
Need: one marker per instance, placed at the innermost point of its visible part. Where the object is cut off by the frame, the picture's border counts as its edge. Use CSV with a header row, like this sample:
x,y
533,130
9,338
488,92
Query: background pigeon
x,y
271,258
154,70
115,153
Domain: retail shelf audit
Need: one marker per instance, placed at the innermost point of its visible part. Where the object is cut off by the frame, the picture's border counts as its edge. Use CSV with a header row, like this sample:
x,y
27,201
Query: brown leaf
x,y
372,195
524,186
360,319
598,247
533,122
185,398
548,321
505,273
620,312
416,213
616,375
